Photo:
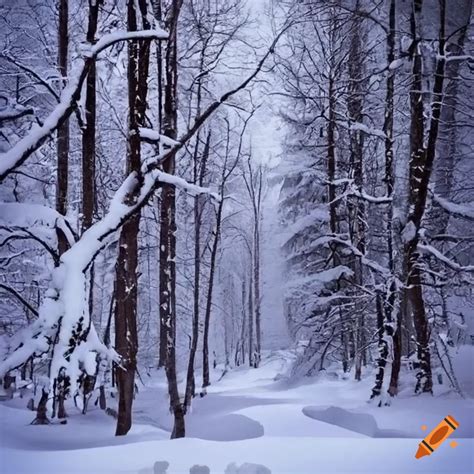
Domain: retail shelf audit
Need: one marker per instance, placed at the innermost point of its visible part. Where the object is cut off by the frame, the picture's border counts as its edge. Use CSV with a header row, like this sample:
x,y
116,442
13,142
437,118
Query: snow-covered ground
x,y
250,416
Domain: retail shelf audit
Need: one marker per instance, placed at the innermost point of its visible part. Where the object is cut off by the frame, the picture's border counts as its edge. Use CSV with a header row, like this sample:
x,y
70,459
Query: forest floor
x,y
250,416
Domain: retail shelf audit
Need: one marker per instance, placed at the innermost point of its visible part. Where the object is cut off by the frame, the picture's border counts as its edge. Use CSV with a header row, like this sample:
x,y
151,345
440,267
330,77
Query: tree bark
x,y
41,412
63,130
251,318
168,226
387,328
126,269
357,217
421,165
207,318
190,382
256,280
157,8
88,134
62,148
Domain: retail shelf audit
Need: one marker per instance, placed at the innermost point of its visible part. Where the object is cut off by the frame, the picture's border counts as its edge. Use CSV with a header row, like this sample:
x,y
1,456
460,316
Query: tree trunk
x,y
421,165
383,346
63,130
388,346
157,9
357,217
41,412
62,169
190,382
88,134
168,228
254,184
126,270
205,348
240,359
256,280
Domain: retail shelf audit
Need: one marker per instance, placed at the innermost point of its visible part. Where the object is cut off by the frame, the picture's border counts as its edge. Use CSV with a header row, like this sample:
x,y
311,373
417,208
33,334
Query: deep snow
x,y
250,416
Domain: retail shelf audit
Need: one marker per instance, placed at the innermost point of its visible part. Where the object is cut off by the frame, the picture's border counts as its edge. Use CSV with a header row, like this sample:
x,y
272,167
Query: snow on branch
x,y
361,194
460,57
71,94
365,261
446,260
367,197
323,277
152,136
357,126
192,189
465,210
26,216
109,40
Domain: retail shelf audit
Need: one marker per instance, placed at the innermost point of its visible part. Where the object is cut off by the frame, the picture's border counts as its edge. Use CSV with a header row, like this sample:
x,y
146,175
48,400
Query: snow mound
x,y
362,423
196,469
247,468
231,427
161,467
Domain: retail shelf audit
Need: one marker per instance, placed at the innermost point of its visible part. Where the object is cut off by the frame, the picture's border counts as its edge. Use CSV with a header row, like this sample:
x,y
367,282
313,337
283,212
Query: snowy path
x,y
247,417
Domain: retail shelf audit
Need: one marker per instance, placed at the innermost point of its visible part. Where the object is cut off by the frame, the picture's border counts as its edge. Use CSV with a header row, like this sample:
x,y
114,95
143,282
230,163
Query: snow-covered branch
x,y
26,216
361,194
367,197
109,40
446,260
357,126
20,298
152,136
71,94
466,210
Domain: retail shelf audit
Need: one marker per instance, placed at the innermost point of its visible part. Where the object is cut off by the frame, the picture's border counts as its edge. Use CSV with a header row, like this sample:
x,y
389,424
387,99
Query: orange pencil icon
x,y
436,437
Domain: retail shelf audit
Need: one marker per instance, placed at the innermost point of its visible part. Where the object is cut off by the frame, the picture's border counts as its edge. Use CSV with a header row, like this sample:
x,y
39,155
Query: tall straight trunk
x,y
126,341
158,13
357,206
62,149
413,277
387,345
190,382
207,318
240,350
63,130
421,165
331,159
168,227
251,320
104,367
89,142
256,280
254,184
331,194
88,135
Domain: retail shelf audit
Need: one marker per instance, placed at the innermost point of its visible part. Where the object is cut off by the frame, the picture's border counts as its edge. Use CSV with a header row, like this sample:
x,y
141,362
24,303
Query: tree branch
x,y
20,152
20,298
